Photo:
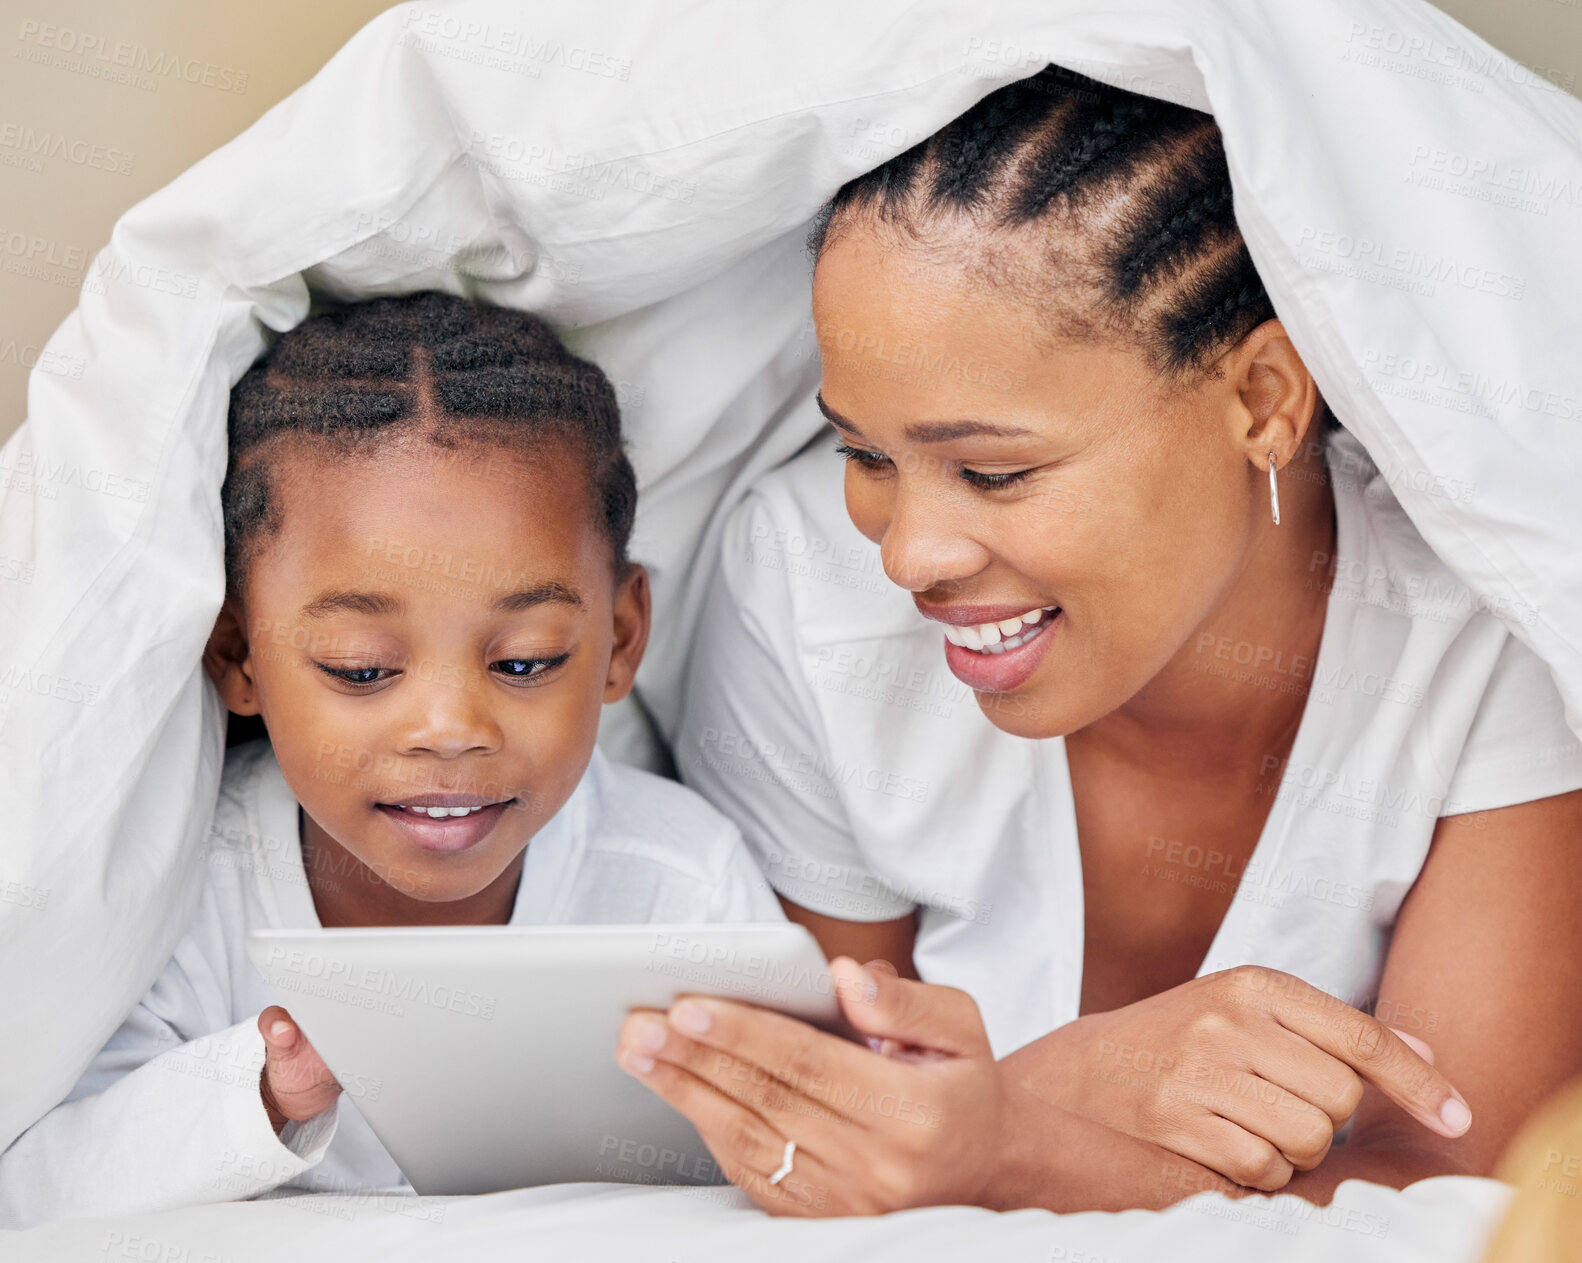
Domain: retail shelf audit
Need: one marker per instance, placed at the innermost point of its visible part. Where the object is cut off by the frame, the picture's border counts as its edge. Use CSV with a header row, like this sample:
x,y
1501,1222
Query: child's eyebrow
x,y
544,593
351,603
328,603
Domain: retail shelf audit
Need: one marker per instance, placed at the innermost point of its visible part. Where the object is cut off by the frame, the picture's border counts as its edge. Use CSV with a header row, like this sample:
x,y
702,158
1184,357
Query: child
x,y
428,599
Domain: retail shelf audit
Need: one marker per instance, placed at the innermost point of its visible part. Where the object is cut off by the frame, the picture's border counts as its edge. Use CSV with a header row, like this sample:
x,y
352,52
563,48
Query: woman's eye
x,y
526,668
992,482
861,456
356,675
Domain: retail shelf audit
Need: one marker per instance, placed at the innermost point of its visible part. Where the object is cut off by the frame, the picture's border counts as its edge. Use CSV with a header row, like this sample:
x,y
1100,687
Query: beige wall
x,y
122,140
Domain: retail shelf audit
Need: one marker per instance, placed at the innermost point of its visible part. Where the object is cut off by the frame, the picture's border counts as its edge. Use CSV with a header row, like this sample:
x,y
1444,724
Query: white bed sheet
x,y
1435,1221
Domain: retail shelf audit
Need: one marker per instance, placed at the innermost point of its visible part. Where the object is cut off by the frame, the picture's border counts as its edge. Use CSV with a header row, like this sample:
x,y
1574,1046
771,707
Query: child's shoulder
x,y
255,819
637,813
246,766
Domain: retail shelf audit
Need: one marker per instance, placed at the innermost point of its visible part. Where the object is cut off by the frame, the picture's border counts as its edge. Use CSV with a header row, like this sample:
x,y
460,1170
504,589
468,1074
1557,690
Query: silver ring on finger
x,y
787,1161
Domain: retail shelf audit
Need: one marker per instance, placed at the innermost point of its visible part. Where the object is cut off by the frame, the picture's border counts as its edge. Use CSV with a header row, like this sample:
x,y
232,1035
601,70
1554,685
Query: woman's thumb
x,y
885,1007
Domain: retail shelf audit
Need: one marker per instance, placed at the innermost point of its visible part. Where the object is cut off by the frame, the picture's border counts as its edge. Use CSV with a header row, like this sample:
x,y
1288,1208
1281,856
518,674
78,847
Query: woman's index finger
x,y
1367,1045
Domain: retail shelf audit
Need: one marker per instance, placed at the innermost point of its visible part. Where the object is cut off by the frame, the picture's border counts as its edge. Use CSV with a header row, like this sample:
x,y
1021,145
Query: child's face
x,y
432,627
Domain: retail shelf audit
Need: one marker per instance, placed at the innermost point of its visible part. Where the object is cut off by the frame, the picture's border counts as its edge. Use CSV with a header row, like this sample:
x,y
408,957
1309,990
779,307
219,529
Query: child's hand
x,y
295,1084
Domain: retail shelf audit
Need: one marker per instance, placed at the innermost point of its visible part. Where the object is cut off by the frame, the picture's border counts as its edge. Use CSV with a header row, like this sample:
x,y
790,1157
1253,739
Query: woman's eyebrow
x,y
933,431
945,431
834,418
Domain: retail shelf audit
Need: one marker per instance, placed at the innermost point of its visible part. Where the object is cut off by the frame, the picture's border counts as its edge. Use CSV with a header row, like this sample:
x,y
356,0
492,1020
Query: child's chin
x,y
437,877
448,894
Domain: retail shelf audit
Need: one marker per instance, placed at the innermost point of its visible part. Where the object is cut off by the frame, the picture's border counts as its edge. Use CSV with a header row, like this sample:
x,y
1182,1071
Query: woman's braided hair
x,y
1138,187
425,365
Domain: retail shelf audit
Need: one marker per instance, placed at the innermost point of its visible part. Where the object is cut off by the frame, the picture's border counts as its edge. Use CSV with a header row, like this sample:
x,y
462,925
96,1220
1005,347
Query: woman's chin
x,y
1019,690
1027,714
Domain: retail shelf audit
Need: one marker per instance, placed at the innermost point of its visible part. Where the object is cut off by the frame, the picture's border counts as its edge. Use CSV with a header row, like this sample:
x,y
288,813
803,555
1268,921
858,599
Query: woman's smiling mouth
x,y
993,649
996,637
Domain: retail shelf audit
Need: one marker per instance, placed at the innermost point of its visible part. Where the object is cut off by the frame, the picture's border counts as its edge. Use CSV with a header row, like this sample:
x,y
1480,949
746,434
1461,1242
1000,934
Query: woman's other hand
x,y
914,1119
1249,1072
295,1084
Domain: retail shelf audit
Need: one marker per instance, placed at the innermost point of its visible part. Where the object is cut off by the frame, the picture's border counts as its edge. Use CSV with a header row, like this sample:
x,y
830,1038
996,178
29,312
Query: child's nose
x,y
449,718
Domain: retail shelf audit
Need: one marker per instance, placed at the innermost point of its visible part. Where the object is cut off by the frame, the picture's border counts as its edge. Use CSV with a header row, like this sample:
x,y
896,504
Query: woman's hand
x,y
1249,1071
295,1083
870,1124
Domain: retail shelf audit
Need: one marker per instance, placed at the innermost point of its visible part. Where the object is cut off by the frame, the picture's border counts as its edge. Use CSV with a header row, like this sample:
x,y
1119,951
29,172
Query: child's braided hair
x,y
427,364
1168,268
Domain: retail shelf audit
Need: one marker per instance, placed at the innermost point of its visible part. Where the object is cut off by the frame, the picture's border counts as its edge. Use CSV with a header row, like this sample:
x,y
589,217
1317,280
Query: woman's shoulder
x,y
1381,558
630,813
791,540
1415,642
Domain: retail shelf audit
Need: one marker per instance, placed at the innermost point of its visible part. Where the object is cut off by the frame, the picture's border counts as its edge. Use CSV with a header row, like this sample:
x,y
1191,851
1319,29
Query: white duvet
x,y
642,173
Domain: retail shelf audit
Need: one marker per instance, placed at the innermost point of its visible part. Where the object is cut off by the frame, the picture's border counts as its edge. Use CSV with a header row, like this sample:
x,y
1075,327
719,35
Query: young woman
x,y
1258,812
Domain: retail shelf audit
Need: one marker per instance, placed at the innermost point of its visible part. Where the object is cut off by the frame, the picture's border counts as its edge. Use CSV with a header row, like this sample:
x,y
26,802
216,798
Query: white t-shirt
x,y
822,718
169,1113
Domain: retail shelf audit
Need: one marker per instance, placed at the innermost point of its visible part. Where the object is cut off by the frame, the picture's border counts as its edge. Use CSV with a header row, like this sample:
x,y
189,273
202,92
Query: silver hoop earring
x,y
1274,490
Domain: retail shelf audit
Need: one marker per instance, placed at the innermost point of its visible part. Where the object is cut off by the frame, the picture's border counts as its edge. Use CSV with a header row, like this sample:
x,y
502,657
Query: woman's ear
x,y
633,609
227,661
1278,398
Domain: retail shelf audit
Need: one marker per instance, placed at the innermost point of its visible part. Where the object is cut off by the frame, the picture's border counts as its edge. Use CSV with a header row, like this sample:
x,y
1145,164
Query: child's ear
x,y
227,661
633,607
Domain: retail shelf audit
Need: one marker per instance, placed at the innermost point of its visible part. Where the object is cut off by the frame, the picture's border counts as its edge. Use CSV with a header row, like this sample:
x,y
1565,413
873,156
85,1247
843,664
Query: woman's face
x,y
1091,511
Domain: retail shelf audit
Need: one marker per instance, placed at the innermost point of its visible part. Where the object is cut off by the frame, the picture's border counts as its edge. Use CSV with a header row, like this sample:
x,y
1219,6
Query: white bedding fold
x,y
1435,1221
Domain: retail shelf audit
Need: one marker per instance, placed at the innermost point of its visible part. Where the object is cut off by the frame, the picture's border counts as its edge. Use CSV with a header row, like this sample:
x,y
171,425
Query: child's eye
x,y
526,668
861,457
992,482
356,675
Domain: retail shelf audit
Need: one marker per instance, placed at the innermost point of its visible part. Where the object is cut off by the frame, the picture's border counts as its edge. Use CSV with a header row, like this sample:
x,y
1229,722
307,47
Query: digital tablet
x,y
483,1057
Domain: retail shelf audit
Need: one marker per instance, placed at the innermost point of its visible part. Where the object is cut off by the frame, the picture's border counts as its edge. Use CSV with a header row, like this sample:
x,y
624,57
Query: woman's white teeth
x,y
1008,633
966,637
439,813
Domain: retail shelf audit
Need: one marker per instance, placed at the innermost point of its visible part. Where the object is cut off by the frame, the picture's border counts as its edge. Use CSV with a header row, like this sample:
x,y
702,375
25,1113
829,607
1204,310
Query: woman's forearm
x,y
1071,1161
1061,1161
1065,1160
1393,1162
1058,1160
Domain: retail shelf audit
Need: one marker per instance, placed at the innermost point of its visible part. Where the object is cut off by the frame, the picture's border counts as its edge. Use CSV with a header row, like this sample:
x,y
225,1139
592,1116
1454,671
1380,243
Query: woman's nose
x,y
924,547
450,715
